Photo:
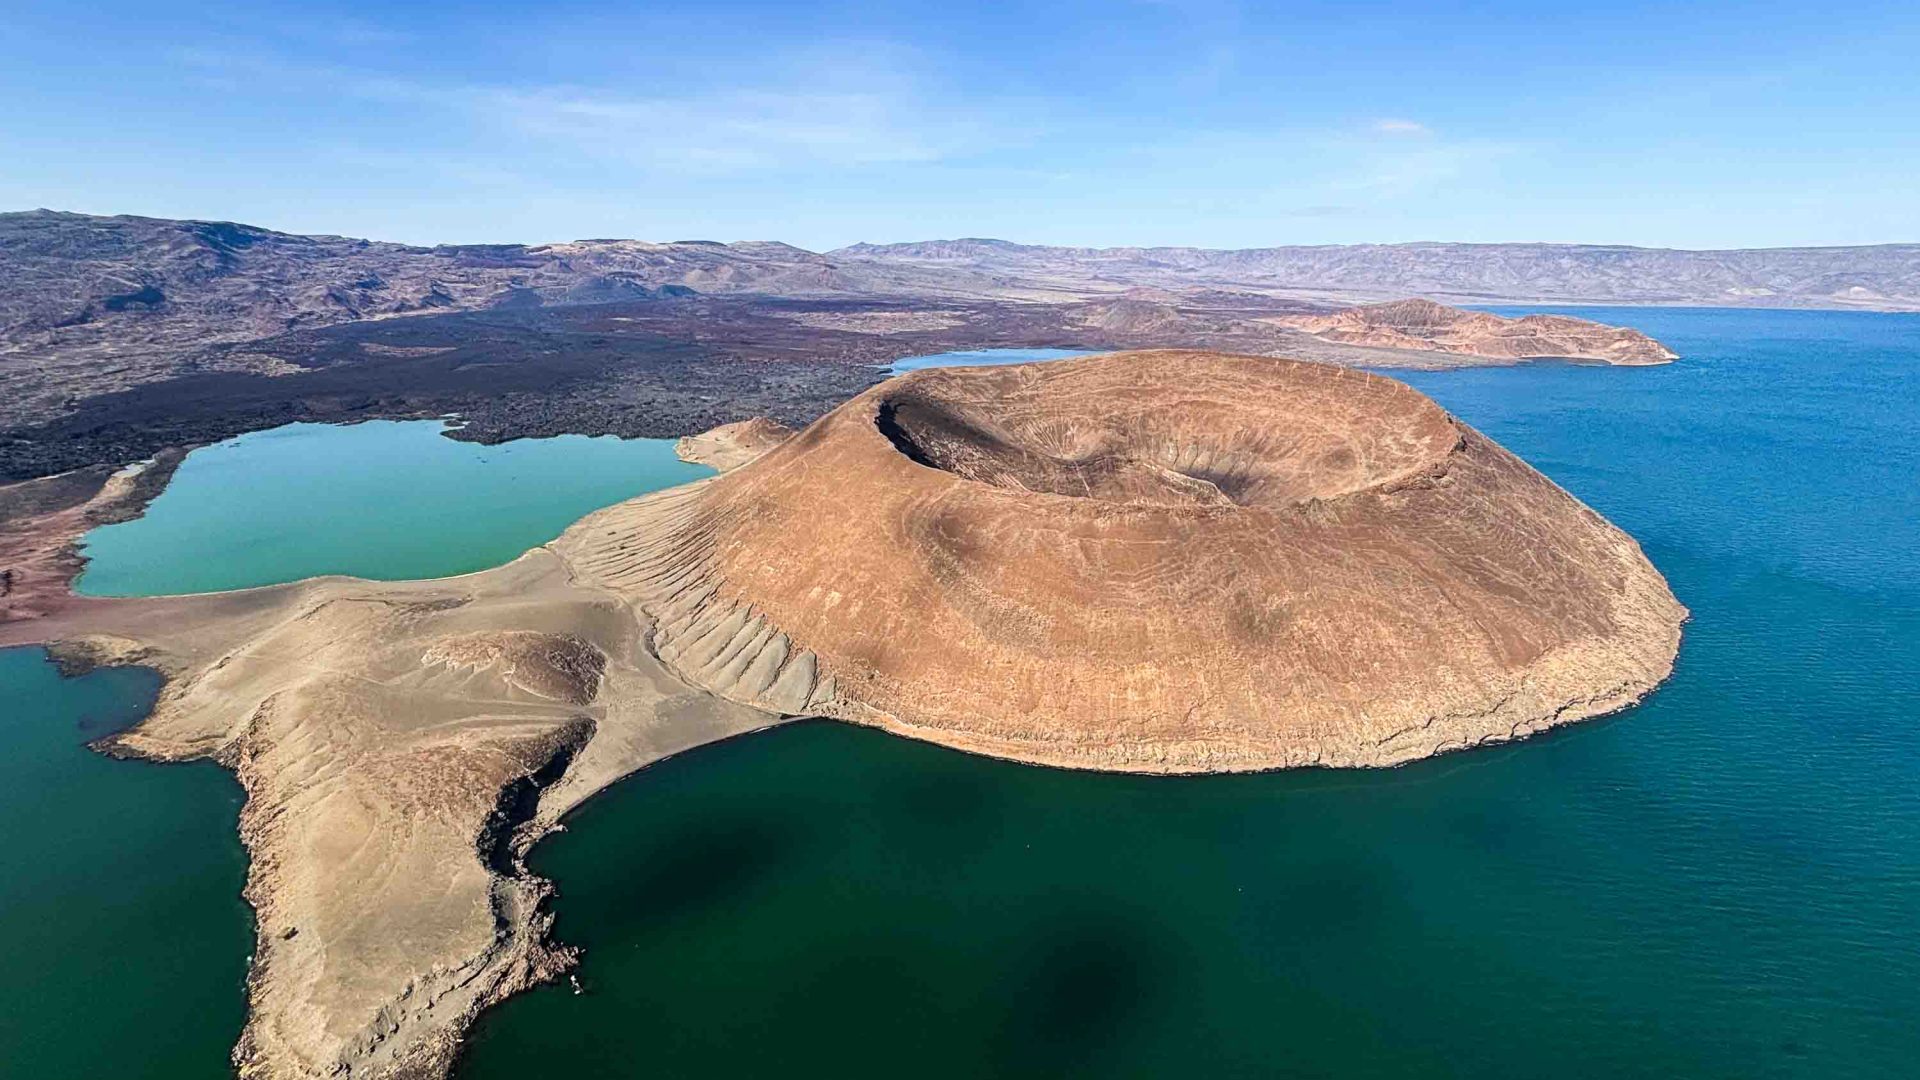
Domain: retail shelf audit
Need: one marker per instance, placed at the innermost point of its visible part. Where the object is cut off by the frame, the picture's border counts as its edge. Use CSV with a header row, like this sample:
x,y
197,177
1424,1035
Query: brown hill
x,y
1156,561
730,446
1140,311
1423,324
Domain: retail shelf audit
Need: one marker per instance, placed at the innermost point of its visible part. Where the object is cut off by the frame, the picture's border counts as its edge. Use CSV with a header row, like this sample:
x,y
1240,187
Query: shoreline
x,y
42,524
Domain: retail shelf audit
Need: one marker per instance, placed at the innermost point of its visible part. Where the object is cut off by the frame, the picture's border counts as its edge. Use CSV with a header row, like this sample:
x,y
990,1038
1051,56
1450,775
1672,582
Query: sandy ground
x,y
730,446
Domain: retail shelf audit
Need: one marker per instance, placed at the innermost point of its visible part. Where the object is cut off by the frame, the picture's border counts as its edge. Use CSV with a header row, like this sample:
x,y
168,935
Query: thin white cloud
x,y
745,129
1414,170
1393,125
1328,171
835,113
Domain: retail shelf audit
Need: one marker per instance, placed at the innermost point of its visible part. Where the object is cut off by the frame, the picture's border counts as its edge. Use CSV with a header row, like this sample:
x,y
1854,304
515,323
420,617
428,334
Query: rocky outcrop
x,y
1140,311
730,446
1425,325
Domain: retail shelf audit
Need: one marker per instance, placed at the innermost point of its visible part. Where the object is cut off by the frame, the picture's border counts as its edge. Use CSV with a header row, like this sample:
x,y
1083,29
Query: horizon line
x,y
975,240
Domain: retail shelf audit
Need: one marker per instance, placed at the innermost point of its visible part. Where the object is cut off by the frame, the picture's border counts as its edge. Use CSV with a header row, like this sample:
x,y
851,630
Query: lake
x,y
1724,881
385,499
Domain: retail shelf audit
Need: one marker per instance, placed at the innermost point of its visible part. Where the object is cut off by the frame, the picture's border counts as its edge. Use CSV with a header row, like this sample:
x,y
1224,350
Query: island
x,y
1163,561
1418,325
1159,561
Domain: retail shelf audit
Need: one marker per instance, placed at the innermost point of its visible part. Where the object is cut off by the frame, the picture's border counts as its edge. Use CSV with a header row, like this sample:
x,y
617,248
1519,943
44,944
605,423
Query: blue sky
x,y
1167,122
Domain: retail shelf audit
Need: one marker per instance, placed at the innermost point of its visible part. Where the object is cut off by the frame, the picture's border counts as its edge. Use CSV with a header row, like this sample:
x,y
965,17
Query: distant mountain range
x,y
1884,277
76,281
80,289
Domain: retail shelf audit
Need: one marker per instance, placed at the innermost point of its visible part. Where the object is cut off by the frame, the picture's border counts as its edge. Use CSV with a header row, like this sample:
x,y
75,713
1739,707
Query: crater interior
x,y
1266,438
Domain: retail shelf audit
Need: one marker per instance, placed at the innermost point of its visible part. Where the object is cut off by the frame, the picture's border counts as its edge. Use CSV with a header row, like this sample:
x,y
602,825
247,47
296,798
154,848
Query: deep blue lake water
x,y
1722,882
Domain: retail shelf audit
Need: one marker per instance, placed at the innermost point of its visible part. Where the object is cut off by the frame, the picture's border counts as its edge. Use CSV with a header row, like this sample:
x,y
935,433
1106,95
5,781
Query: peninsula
x,y
1162,561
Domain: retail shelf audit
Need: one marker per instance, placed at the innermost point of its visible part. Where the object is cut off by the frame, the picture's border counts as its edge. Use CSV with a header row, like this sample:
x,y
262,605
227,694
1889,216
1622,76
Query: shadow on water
x,y
1077,988
708,865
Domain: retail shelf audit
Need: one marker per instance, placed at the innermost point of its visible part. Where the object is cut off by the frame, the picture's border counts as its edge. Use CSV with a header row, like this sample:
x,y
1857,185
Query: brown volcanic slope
x,y
1156,561
1423,324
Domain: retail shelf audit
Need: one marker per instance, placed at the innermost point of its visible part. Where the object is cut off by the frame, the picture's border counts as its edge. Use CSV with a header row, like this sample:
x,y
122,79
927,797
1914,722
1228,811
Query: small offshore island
x,y
1163,561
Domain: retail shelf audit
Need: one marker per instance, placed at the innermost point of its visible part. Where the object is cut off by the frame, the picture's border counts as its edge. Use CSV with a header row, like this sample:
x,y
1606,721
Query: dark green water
x,y
122,935
1724,882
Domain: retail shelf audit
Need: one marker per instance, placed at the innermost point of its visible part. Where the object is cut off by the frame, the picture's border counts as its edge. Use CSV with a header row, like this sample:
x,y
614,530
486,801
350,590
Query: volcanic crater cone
x,y
1161,561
